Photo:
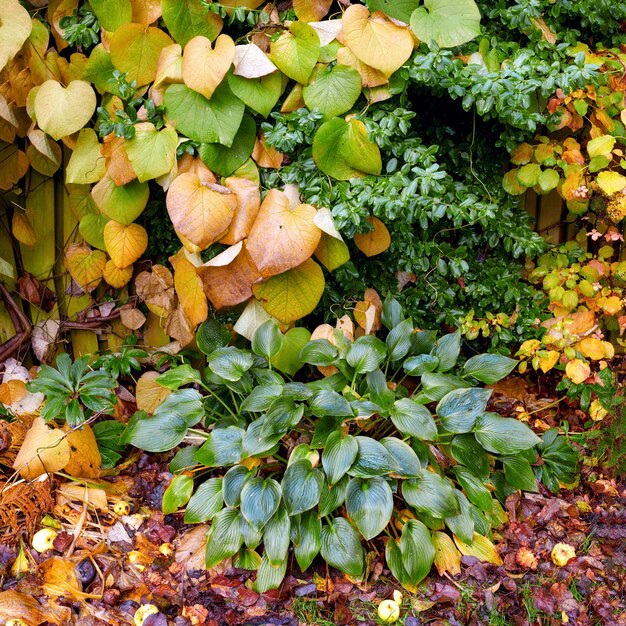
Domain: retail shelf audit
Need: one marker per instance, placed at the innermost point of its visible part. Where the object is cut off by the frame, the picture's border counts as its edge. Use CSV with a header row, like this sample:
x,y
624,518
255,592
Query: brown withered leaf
x,y
179,327
248,205
156,289
228,277
35,292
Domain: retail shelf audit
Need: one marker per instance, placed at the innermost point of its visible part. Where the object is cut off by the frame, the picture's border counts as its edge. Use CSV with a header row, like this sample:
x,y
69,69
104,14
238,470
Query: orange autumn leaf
x,y
188,287
376,241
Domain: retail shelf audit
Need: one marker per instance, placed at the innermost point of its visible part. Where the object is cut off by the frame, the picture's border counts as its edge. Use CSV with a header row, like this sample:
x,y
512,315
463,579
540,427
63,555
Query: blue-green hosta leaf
x,y
267,340
378,389
233,482
372,459
207,121
276,536
328,402
230,363
467,451
447,350
260,499
284,415
366,354
179,376
393,557
459,408
269,576
248,559
177,493
431,494
462,523
339,455
413,419
302,486
205,503
435,386
333,92
251,537
261,398
474,488
157,433
489,368
222,447
306,534
255,443
420,364
519,473
369,503
319,352
408,462
449,23
423,342
503,435
224,537
399,340
391,314
332,496
418,551
341,547
185,402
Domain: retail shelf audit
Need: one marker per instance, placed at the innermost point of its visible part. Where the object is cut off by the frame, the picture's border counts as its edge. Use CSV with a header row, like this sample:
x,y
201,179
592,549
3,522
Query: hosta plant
x,y
395,441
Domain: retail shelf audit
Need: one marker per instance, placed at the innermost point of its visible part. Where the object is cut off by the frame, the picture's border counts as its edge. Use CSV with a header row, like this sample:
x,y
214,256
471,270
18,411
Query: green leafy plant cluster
x,y
395,441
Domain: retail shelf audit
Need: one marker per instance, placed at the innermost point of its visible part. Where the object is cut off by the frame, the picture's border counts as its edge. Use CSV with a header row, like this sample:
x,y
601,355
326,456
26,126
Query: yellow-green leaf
x,y
294,294
611,182
123,204
480,547
86,165
62,111
85,265
601,146
15,27
296,51
135,50
152,152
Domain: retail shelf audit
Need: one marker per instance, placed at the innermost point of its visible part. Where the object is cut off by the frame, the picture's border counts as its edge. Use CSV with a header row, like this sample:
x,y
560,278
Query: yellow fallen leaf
x,y
116,276
12,391
149,394
85,459
447,557
72,492
592,347
577,371
44,450
480,547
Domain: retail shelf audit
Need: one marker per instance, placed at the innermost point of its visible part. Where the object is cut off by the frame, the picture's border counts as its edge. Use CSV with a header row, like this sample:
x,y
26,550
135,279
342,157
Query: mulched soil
x,y
148,558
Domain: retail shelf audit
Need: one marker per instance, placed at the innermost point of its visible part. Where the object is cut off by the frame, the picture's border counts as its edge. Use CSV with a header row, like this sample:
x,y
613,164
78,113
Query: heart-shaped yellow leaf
x,y
248,205
125,244
116,276
282,237
43,450
370,76
149,393
62,111
170,66
293,294
376,241
228,277
118,165
188,286
205,67
311,10
375,40
201,211
135,50
15,27
86,165
611,182
85,265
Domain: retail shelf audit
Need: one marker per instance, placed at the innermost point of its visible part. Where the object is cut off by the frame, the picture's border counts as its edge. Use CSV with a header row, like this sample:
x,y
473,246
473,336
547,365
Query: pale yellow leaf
x,y
204,66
